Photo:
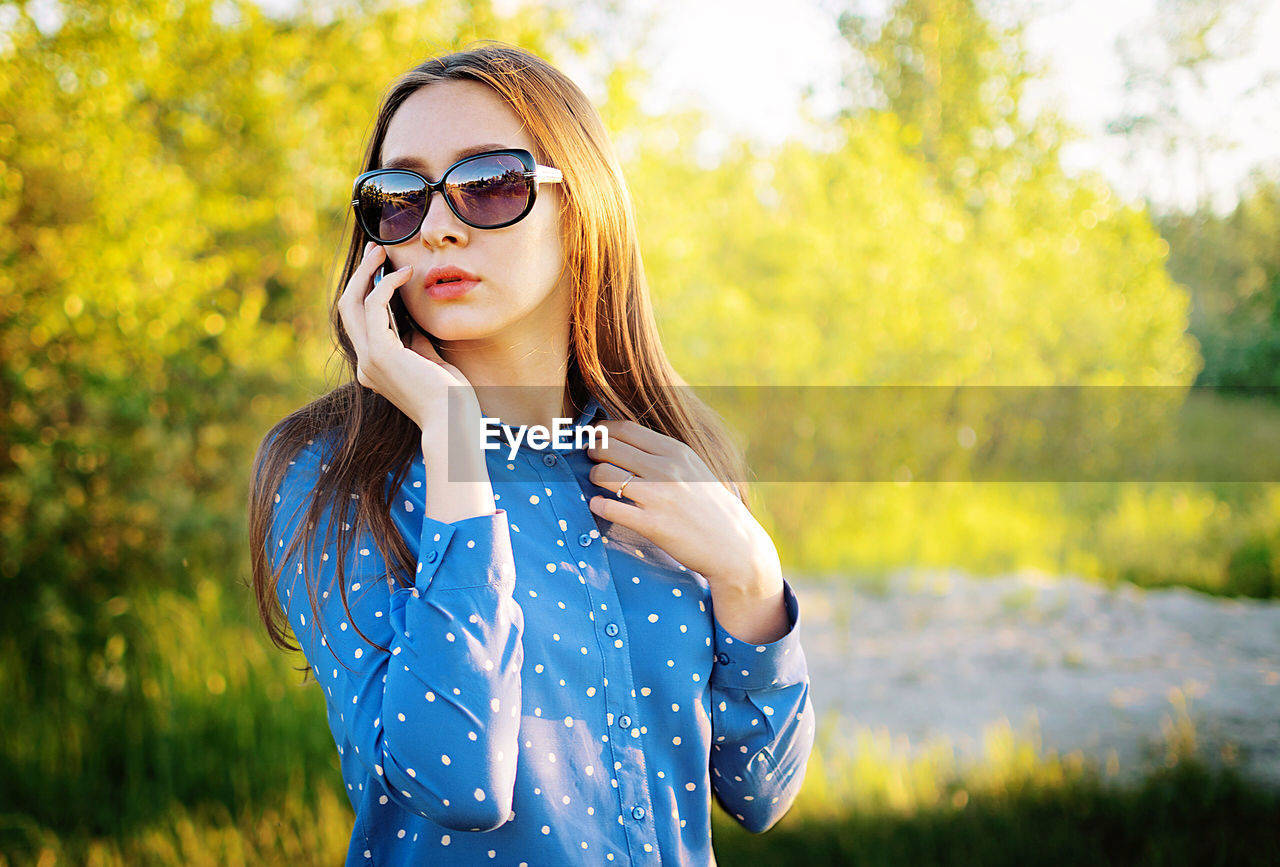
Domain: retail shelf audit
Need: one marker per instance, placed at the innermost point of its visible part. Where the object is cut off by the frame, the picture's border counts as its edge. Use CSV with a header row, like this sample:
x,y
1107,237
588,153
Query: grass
x,y
229,762
181,737
1188,815
296,830
1016,805
871,806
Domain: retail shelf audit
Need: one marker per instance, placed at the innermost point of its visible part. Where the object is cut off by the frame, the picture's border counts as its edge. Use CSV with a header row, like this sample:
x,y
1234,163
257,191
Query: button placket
x,y
630,777
618,688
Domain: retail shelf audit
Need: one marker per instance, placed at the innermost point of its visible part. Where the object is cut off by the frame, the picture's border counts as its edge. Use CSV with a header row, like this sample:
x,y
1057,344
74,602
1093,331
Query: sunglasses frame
x,y
534,175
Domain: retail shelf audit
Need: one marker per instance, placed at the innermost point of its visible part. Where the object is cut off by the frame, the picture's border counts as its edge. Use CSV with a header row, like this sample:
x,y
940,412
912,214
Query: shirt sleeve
x,y
762,723
435,721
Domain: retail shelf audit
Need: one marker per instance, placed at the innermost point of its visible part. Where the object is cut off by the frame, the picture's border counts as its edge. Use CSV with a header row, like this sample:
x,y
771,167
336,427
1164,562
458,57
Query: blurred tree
x,y
1232,265
1174,70
174,188
935,240
1168,94
954,78
938,236
930,237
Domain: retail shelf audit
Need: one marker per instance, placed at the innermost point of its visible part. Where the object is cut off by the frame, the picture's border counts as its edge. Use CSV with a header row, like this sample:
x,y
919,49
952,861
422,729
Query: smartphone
x,y
404,325
399,313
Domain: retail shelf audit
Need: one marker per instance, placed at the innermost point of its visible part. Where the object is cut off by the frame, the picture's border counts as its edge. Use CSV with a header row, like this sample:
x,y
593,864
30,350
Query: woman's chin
x,y
457,328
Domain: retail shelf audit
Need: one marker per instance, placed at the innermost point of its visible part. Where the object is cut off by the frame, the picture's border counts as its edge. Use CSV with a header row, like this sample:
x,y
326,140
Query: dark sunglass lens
x,y
391,205
489,191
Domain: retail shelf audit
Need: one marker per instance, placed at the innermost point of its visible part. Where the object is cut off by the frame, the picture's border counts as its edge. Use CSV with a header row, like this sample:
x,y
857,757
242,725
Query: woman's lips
x,y
446,282
451,290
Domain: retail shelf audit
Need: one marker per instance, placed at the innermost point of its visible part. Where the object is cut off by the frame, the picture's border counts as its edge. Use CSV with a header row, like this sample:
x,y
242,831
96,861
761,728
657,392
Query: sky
x,y
748,61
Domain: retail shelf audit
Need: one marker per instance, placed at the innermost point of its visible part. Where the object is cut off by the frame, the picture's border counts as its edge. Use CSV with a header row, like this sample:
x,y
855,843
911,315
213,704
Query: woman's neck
x,y
519,381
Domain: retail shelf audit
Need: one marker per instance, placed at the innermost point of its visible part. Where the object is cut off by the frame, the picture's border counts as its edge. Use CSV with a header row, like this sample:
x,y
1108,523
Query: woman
x,y
547,658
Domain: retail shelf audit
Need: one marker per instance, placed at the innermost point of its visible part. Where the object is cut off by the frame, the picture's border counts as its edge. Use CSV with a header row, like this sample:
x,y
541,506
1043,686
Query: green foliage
x,y
850,267
198,711
887,257
1190,815
174,180
954,78
204,714
936,241
173,189
1231,264
1221,538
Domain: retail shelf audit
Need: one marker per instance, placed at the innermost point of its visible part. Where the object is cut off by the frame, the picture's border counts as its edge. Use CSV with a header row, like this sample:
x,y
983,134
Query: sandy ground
x,y
1070,663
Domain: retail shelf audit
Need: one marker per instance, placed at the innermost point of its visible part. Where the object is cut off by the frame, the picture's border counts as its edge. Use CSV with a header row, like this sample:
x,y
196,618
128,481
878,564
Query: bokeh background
x,y
174,180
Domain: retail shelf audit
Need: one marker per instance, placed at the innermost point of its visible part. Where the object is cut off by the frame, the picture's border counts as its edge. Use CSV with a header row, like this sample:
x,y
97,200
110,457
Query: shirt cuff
x,y
742,665
472,552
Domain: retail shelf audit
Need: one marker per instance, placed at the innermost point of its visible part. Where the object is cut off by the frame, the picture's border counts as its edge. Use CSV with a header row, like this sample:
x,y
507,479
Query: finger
x,y
356,289
618,512
380,332
611,478
373,256
625,455
362,277
639,436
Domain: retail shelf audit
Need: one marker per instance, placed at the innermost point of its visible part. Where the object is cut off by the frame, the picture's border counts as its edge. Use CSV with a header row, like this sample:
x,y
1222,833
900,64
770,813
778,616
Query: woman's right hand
x,y
415,378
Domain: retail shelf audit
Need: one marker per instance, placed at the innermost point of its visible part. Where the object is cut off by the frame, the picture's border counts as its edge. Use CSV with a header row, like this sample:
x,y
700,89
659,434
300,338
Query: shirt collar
x,y
589,414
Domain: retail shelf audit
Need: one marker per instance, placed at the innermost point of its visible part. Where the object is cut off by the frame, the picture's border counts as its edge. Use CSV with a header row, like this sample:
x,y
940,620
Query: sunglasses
x,y
486,191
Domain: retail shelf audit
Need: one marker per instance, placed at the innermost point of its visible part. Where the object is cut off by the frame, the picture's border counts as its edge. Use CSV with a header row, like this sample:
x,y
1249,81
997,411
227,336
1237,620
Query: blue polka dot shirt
x,y
557,689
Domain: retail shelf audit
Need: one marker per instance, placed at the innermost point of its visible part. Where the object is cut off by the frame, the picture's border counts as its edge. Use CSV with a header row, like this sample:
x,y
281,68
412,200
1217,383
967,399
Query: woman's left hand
x,y
677,503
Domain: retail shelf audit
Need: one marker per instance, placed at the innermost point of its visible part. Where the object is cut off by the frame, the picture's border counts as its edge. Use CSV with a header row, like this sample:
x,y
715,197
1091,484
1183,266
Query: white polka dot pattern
x,y
548,695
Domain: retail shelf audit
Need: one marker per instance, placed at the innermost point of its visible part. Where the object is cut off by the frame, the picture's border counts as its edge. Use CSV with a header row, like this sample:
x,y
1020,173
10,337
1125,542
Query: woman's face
x,y
520,268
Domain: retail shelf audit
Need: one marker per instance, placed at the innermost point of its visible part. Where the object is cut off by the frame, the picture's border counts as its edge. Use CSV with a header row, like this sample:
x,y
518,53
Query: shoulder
x,y
306,438
296,442
290,467
307,461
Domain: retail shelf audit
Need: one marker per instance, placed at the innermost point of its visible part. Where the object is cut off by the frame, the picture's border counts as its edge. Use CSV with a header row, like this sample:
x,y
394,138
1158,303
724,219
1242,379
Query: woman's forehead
x,y
442,122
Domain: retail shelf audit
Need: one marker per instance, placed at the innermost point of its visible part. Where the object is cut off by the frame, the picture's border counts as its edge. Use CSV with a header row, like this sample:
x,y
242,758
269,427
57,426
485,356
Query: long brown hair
x,y
615,355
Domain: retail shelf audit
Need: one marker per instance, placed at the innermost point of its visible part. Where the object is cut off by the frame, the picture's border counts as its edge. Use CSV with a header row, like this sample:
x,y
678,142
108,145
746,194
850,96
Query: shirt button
x,y
549,460
611,630
584,540
637,812
722,658
625,722
432,556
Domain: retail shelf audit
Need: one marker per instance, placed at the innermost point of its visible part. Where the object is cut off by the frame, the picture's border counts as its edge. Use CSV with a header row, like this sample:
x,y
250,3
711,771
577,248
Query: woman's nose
x,y
441,226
